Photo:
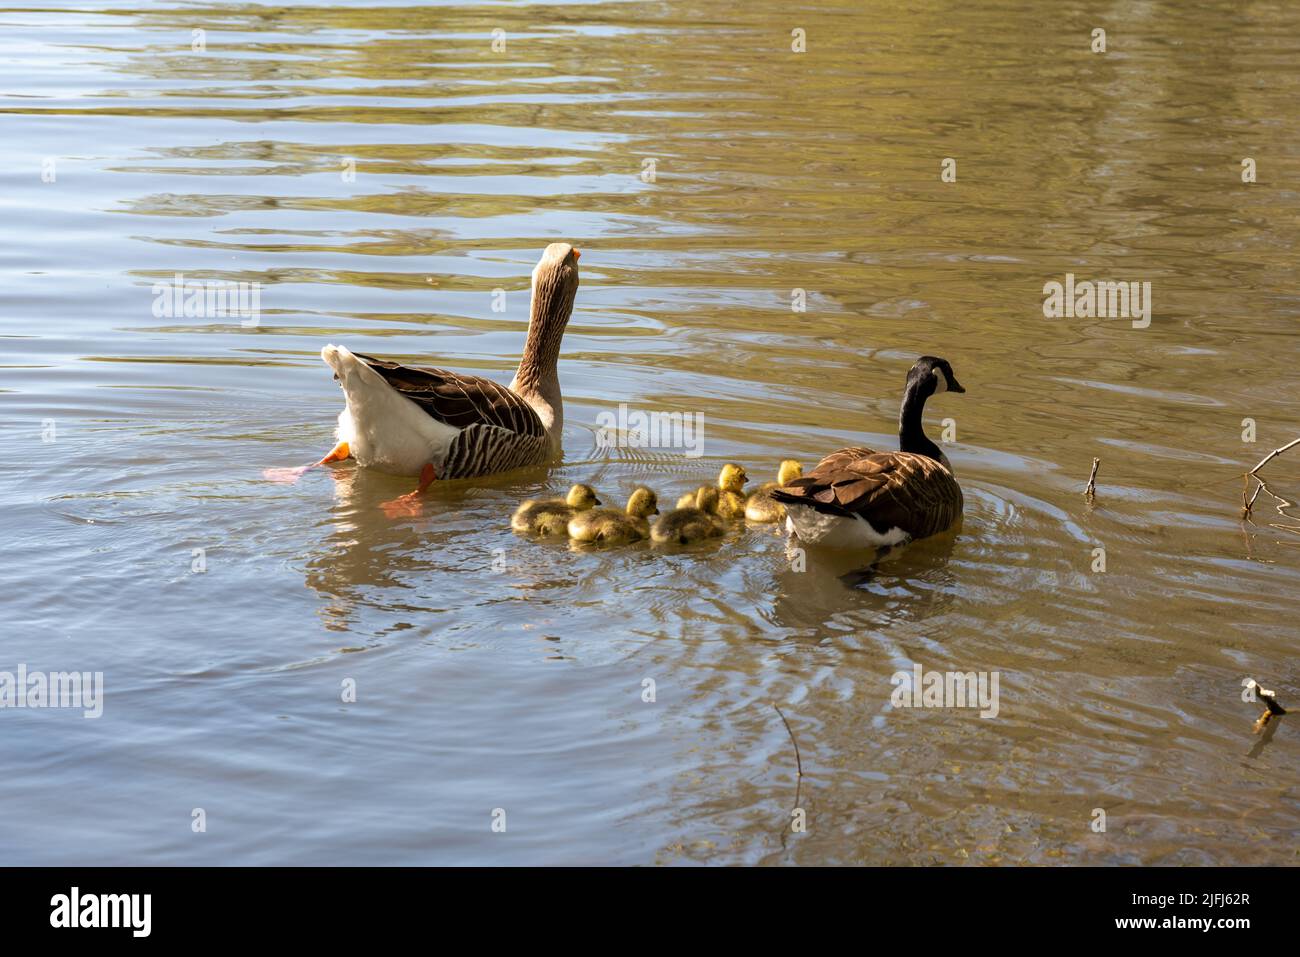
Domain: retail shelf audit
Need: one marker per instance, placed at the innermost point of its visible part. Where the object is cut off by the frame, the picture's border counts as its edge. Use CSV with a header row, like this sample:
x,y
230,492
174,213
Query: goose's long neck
x,y
538,375
911,433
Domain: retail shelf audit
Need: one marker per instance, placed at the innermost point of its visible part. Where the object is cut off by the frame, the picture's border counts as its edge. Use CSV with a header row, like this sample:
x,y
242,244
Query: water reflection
x,y
517,666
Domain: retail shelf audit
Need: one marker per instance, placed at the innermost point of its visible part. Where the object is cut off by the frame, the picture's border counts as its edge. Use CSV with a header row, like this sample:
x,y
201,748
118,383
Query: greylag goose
x,y
436,424
861,498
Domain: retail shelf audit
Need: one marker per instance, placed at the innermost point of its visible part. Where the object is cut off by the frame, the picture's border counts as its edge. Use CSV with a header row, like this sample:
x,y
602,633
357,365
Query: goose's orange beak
x,y
577,253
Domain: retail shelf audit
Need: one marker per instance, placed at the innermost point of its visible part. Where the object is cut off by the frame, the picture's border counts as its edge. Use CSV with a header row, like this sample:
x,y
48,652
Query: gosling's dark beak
x,y
655,512
597,501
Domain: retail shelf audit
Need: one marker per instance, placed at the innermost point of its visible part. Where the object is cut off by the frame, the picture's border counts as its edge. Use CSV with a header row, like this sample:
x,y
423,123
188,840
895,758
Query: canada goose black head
x,y
931,375
928,376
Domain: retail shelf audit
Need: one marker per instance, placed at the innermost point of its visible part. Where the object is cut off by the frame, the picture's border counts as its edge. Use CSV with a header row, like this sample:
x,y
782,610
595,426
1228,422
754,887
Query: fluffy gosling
x,y
609,526
684,526
731,494
760,506
551,516
731,500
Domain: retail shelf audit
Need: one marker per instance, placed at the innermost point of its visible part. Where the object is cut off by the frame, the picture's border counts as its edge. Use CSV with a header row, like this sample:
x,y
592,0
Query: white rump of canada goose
x,y
436,424
861,498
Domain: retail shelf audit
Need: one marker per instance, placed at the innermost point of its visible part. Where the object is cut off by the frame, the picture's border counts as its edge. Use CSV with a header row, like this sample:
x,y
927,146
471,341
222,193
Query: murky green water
x,y
522,689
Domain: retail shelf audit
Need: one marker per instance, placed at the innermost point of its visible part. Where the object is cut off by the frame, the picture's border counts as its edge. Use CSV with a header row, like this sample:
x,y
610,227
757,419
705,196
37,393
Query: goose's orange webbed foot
x,y
411,504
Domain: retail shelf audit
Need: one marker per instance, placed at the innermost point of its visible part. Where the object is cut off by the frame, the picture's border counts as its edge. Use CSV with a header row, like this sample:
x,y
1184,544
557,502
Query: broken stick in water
x,y
798,780
798,761
1091,490
1248,504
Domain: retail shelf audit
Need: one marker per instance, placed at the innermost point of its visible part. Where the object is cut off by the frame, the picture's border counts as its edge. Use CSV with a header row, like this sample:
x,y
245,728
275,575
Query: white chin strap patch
x,y
940,381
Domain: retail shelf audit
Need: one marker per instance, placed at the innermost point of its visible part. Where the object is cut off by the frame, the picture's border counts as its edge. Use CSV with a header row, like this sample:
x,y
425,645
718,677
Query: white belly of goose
x,y
384,429
837,531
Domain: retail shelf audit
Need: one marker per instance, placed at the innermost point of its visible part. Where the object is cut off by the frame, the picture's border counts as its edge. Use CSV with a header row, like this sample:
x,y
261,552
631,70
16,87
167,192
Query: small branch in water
x,y
1282,506
1274,454
797,759
1247,504
798,781
1091,490
1270,701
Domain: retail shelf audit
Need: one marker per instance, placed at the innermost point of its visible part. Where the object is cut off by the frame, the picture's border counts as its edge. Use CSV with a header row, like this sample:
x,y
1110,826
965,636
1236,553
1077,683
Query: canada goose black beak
x,y
955,386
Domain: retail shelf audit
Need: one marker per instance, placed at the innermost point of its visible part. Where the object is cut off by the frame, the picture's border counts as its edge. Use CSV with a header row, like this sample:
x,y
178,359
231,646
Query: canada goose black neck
x,y
928,375
911,432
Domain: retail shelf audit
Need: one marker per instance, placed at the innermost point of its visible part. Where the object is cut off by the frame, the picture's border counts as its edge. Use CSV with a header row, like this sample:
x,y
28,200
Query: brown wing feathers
x,y
888,489
458,400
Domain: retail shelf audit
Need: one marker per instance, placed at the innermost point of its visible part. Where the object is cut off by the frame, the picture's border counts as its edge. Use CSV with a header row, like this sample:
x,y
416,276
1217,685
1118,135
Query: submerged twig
x,y
1282,506
1091,490
1248,504
798,761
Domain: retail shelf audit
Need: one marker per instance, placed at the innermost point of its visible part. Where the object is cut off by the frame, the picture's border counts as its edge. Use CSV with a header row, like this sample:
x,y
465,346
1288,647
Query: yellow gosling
x,y
609,526
731,494
761,507
685,526
551,516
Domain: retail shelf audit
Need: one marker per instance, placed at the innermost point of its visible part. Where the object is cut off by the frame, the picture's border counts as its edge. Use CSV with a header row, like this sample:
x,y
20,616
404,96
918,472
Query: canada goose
x,y
609,526
760,506
682,526
443,425
858,497
551,516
